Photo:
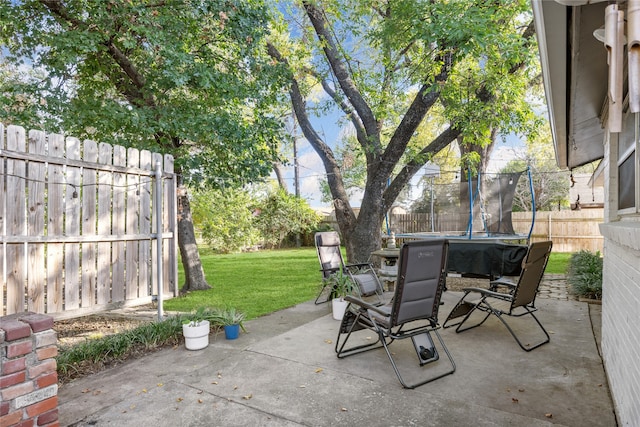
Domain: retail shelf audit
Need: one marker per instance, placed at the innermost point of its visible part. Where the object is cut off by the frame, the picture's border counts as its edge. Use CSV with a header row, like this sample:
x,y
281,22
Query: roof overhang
x,y
574,67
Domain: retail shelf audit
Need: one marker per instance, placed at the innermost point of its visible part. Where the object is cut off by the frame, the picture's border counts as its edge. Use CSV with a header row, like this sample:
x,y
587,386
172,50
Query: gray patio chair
x,y
412,313
518,300
331,262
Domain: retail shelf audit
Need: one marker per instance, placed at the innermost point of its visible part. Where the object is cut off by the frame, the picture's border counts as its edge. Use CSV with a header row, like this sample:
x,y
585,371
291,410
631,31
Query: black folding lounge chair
x,y
412,313
331,262
517,300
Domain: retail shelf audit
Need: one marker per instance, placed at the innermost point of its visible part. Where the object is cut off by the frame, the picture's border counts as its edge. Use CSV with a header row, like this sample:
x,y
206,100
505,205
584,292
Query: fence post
x,y
157,212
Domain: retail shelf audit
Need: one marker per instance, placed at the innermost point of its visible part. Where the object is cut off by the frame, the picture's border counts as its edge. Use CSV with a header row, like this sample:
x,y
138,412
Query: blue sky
x,y
312,171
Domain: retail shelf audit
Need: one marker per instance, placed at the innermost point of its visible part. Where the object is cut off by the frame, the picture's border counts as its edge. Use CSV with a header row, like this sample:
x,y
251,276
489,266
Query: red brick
x,y
12,379
19,349
4,408
11,366
14,329
48,417
45,367
47,353
11,419
53,424
12,392
38,322
47,380
25,423
42,407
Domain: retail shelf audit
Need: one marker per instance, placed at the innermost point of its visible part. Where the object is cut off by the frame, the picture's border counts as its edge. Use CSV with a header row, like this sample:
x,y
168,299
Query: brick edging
x,y
28,377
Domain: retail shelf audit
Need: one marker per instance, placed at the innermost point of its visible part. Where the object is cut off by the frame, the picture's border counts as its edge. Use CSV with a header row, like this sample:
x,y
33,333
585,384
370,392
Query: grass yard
x,y
558,262
259,283
256,283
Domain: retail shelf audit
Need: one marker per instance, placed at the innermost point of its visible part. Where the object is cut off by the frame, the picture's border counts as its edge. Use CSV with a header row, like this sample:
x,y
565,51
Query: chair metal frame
x,y
363,274
412,313
517,301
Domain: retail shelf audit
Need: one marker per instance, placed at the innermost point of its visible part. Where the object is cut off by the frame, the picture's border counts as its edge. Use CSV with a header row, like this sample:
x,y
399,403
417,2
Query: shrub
x,y
584,274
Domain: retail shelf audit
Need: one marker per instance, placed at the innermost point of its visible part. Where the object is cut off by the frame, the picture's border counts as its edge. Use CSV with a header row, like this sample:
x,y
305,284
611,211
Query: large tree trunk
x,y
194,274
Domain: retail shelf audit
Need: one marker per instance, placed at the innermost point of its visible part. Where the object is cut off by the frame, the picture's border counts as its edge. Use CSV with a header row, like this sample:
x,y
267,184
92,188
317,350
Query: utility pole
x,y
296,171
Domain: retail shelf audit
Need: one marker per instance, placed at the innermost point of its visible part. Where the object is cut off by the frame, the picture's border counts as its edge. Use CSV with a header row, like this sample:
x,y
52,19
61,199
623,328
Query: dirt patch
x,y
74,331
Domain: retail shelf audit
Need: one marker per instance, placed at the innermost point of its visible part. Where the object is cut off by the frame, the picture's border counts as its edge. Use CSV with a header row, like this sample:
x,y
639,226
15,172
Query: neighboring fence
x,y
78,224
570,231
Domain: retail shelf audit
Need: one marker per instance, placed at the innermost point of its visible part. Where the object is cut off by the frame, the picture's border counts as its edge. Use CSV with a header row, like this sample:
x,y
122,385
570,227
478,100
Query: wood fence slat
x,y
133,224
3,221
118,259
36,212
104,225
72,227
77,227
55,225
89,191
16,221
155,158
144,267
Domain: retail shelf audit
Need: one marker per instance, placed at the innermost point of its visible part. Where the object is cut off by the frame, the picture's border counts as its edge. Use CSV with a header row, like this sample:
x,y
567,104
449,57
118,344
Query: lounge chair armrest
x,y
501,281
358,265
364,304
488,293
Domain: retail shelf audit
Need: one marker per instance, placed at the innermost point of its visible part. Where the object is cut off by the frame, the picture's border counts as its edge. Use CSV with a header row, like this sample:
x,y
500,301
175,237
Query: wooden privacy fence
x,y
570,231
79,224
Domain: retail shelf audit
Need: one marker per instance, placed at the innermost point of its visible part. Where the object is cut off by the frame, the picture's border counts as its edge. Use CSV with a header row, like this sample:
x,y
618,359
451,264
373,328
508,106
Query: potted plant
x,y
195,329
231,319
341,285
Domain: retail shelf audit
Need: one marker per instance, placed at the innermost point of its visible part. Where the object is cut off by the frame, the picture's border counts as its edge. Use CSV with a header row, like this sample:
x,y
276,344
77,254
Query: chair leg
x,y
466,309
466,317
320,294
522,346
348,329
428,380
461,309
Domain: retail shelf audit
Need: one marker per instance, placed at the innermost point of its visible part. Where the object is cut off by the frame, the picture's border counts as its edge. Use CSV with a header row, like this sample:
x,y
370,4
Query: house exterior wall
x,y
620,297
621,317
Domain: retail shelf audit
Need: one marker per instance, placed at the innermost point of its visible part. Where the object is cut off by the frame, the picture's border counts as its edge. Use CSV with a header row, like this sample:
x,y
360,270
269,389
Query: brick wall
x,y
621,317
28,377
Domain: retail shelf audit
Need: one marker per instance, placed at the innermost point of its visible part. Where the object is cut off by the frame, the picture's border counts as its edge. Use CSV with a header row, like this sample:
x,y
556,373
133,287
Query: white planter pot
x,y
196,337
338,307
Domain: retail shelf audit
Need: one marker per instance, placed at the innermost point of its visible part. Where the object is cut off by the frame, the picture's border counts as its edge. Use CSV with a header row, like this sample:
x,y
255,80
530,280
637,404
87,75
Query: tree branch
x,y
334,174
339,69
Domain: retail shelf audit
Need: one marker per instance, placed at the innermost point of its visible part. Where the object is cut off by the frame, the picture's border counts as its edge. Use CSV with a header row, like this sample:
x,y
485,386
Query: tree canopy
x,y
388,65
186,77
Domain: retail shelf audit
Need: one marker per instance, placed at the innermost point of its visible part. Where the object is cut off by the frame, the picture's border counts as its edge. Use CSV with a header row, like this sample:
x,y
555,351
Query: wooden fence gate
x,y
79,224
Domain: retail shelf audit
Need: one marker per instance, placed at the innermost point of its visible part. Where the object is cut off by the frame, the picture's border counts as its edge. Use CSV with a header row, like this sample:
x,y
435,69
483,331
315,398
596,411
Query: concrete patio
x,y
284,372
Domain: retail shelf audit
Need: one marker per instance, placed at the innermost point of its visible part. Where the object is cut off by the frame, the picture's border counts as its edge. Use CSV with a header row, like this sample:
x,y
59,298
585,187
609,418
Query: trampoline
x,y
479,208
476,217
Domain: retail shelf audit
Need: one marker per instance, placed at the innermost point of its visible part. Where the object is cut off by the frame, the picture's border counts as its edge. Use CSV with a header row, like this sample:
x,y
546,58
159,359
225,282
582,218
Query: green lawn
x,y
558,262
259,283
256,283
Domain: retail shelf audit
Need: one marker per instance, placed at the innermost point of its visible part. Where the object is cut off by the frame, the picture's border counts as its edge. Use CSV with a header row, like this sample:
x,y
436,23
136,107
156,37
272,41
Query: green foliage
x,y
230,316
189,78
584,274
340,284
550,183
280,215
231,220
224,218
119,346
